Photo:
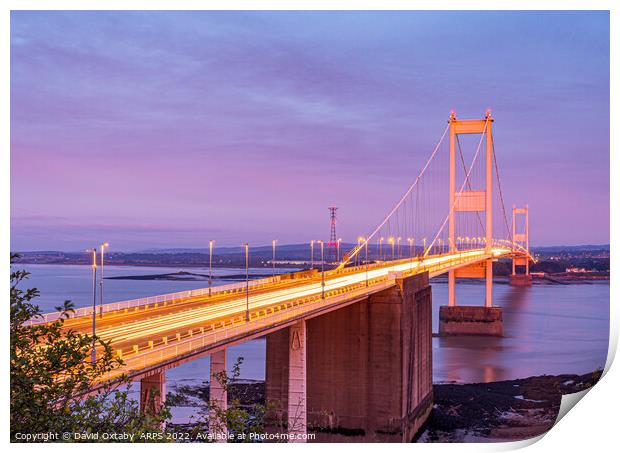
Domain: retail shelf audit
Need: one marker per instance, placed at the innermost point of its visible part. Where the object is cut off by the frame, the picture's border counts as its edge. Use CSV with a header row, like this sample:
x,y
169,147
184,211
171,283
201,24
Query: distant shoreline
x,y
562,278
185,276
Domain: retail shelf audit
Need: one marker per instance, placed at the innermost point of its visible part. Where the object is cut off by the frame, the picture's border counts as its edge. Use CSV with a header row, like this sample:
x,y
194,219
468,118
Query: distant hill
x,y
287,255
571,248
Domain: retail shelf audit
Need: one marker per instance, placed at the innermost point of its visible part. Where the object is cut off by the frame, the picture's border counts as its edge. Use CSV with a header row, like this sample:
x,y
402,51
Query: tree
x,y
242,420
52,379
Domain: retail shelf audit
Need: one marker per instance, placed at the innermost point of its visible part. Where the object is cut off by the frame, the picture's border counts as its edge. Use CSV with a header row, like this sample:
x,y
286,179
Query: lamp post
x,y
273,258
357,255
424,251
360,240
410,241
398,243
93,353
322,272
391,241
103,247
210,264
247,281
381,248
338,249
312,254
366,258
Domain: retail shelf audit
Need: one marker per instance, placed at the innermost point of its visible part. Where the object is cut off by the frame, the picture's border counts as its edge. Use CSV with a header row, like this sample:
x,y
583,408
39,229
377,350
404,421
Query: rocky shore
x,y
484,412
499,411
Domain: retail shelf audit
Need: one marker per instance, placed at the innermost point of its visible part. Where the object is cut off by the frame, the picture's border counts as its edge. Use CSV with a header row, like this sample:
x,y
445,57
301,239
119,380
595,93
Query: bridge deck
x,y
159,336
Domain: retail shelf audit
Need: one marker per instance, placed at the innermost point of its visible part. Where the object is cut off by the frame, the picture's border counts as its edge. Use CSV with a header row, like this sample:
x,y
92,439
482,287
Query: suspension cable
x,y
484,132
348,256
501,195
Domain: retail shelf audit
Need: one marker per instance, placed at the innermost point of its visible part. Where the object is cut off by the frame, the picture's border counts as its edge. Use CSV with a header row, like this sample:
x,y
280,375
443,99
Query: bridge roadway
x,y
158,336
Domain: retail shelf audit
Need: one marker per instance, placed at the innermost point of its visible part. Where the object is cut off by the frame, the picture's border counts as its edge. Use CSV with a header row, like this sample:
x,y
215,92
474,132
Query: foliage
x,y
52,378
239,422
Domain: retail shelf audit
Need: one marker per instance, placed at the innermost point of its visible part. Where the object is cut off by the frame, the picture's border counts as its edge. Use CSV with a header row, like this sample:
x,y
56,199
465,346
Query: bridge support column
x,y
472,320
521,280
521,240
153,393
218,398
369,367
297,407
451,288
488,298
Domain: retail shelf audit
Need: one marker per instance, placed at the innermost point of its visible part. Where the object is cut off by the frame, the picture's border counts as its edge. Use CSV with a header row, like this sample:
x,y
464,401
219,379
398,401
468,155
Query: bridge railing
x,y
155,300
201,292
198,341
153,355
270,316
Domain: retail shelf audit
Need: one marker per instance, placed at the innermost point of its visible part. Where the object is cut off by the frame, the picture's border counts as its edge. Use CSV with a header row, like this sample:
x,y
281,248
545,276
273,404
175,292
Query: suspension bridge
x,y
349,347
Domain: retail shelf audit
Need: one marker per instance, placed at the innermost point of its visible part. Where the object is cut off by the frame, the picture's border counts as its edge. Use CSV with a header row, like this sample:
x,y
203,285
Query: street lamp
x,y
312,254
247,281
338,249
366,258
273,258
93,353
398,243
357,255
103,247
424,251
410,241
391,241
322,272
210,264
381,248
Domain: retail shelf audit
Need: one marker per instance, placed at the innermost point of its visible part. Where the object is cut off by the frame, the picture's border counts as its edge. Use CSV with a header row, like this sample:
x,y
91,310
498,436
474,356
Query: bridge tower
x,y
471,320
521,240
332,245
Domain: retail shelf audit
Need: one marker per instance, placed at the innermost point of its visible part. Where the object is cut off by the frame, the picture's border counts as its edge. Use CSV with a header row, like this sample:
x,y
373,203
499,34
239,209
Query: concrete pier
x,y
470,320
521,280
369,367
297,404
153,392
218,397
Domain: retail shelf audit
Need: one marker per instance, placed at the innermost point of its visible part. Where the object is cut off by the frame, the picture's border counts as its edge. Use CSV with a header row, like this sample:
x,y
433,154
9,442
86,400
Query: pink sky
x,y
167,129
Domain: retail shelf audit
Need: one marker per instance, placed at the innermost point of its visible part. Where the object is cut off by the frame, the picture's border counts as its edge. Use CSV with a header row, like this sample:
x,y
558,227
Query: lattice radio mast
x,y
333,239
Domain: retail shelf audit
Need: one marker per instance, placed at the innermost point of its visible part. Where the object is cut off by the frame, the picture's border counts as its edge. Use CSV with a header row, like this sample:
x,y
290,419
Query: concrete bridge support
x,y
218,397
297,372
521,280
369,368
153,392
472,320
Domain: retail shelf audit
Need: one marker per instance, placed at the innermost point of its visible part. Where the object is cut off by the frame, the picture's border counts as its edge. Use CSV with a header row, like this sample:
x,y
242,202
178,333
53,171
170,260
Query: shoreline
x,y
500,411
548,280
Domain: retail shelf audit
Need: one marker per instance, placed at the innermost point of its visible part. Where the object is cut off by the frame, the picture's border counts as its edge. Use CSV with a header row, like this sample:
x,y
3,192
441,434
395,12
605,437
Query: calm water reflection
x,y
548,329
